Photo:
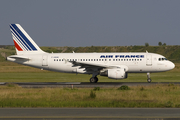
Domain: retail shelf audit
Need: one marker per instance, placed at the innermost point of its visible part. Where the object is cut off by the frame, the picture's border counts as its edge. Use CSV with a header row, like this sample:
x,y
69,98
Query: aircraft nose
x,y
171,65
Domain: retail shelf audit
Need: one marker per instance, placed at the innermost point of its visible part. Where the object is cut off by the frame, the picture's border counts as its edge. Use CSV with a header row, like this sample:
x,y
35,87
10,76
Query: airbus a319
x,y
113,65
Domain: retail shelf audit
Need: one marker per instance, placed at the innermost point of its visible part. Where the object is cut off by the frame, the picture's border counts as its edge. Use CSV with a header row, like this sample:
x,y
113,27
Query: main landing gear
x,y
93,79
149,79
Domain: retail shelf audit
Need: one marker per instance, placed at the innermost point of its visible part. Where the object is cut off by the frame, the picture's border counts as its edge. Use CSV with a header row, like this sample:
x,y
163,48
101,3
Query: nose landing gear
x,y
149,79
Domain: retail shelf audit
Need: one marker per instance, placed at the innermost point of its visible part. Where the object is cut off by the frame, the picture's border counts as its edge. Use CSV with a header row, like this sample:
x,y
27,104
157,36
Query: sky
x,y
81,23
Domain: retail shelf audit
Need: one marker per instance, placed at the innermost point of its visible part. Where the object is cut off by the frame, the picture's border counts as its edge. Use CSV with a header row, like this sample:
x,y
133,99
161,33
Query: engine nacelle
x,y
118,73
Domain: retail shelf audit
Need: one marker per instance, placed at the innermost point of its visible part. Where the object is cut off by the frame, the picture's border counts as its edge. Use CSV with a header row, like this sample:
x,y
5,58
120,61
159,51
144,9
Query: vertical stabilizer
x,y
24,44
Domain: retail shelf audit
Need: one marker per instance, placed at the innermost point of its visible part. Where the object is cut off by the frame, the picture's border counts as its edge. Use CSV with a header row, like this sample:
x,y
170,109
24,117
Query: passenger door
x,y
149,60
45,60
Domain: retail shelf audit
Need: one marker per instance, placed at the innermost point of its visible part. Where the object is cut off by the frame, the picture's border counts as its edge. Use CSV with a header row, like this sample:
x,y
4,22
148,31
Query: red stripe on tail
x,y
17,46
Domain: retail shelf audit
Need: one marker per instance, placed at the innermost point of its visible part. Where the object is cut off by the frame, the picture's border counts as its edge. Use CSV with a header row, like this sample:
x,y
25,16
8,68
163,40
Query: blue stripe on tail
x,y
22,38
17,38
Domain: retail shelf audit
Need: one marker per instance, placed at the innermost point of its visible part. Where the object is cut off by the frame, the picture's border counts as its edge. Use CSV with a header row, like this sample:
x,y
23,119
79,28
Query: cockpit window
x,y
162,59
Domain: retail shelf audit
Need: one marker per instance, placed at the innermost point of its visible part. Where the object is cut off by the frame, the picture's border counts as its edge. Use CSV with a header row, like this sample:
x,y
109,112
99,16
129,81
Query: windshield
x,y
162,59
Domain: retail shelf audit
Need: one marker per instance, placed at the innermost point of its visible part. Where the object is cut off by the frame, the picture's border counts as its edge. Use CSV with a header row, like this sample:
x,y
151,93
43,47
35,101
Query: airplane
x,y
112,65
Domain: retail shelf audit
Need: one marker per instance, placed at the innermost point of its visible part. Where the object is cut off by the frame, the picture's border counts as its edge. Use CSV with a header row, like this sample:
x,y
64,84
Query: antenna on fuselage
x,y
146,51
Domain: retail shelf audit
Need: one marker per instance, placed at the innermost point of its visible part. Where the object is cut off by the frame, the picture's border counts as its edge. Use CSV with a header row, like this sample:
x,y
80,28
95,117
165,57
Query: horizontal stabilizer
x,y
16,58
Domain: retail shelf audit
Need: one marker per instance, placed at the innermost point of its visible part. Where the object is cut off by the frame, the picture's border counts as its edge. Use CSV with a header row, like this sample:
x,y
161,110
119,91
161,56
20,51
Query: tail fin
x,y
23,42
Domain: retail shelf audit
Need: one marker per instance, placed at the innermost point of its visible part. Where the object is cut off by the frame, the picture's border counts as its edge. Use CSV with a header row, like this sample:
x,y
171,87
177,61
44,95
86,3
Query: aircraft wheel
x,y
149,80
96,78
93,80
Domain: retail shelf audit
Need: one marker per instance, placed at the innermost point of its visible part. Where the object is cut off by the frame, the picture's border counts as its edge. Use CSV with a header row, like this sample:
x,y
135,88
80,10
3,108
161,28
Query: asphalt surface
x,y
91,113
83,84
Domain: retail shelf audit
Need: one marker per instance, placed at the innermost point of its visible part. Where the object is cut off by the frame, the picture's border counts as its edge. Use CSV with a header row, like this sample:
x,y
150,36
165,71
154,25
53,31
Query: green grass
x,y
150,96
141,96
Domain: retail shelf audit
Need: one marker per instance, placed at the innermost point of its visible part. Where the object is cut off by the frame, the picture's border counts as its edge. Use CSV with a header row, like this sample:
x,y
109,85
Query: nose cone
x,y
171,65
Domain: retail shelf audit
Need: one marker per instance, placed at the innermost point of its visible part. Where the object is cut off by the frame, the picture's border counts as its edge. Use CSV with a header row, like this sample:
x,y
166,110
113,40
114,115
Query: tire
x,y
149,80
96,79
93,80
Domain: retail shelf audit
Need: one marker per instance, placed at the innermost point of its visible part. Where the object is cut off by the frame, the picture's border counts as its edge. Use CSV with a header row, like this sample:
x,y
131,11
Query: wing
x,y
94,67
89,67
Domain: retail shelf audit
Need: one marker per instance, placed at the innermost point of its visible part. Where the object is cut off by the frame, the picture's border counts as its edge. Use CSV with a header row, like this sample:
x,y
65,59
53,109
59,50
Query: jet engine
x,y
118,73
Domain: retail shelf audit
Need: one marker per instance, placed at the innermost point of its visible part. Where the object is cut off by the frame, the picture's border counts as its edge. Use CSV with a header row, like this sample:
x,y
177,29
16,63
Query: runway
x,y
83,84
91,113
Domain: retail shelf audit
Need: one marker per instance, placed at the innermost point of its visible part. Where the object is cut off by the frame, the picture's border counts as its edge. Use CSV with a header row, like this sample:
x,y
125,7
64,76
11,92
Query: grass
x,y
151,96
141,96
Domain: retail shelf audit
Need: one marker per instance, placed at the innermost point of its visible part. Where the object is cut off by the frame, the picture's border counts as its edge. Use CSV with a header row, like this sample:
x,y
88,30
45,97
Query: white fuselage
x,y
62,62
